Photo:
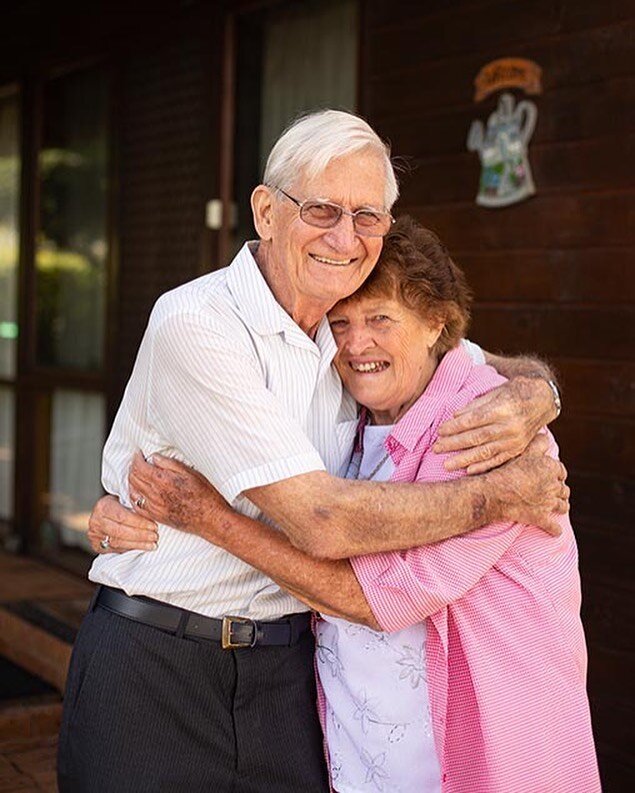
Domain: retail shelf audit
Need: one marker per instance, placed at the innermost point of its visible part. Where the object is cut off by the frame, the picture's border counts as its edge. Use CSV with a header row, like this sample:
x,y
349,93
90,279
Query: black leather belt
x,y
233,632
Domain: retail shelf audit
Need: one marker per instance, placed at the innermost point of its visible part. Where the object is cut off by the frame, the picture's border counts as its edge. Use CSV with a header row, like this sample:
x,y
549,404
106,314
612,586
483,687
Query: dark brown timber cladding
x,y
168,95
553,275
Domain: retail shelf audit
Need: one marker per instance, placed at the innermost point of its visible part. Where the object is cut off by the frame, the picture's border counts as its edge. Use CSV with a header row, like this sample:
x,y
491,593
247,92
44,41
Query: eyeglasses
x,y
326,214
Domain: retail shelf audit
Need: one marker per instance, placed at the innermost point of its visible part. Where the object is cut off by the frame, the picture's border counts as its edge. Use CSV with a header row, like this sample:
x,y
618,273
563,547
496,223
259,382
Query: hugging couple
x,y
337,552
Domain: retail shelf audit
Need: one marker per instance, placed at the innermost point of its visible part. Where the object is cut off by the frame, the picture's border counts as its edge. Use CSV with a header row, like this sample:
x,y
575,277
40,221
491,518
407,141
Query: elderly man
x,y
166,691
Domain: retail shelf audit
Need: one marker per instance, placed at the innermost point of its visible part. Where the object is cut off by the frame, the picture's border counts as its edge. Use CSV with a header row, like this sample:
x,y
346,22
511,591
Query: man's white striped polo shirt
x,y
227,382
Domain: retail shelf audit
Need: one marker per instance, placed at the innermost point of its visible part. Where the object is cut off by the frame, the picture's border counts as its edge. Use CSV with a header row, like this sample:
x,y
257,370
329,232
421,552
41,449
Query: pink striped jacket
x,y
505,650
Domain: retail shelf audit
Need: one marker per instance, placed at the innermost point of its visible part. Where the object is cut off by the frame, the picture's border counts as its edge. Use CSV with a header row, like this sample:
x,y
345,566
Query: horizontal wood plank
x,y
418,40
568,221
606,562
601,498
575,59
604,387
549,276
556,331
606,614
572,14
610,671
599,444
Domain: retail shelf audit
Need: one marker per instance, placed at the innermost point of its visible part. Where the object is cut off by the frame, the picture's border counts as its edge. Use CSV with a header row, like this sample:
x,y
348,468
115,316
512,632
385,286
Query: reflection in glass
x,y
77,438
7,455
9,231
72,240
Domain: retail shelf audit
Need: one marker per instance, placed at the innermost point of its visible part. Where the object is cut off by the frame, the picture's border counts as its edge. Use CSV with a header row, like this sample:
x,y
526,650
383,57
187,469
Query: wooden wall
x,y
167,122
553,275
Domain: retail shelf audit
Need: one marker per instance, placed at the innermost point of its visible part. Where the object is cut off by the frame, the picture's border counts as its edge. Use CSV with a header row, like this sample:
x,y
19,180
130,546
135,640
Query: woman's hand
x,y
170,492
497,426
112,528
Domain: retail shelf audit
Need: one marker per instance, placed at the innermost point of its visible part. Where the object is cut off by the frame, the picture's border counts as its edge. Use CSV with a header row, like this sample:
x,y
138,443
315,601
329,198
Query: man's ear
x,y
262,209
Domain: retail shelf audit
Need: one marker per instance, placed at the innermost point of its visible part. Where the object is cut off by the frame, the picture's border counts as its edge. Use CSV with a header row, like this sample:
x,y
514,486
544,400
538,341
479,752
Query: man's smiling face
x,y
321,266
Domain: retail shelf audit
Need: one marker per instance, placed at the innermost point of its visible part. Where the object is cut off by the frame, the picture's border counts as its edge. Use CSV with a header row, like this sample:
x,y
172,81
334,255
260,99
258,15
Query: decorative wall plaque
x,y
502,146
502,143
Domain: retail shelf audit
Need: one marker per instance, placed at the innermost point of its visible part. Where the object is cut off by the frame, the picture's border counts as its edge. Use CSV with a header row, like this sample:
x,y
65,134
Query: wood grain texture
x,y
581,58
593,276
554,275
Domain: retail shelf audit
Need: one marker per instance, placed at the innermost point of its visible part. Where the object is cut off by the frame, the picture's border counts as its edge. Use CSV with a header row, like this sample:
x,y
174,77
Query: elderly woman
x,y
469,672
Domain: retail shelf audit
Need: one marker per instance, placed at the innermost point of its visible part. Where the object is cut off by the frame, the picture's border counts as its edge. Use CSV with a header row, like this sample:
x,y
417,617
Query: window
x,y
291,59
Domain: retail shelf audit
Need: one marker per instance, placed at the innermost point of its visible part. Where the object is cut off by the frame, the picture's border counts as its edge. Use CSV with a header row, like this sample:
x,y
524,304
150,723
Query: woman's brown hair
x,y
416,268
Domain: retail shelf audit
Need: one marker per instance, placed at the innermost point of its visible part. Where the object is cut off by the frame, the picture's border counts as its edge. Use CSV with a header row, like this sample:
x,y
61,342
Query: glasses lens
x,y
372,224
320,213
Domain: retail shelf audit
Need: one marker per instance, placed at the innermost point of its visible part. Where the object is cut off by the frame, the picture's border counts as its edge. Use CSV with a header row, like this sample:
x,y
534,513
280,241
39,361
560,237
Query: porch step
x,y
35,640
40,611
28,718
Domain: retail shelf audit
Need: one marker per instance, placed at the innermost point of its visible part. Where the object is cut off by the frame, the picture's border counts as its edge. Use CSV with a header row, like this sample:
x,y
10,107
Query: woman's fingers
x,y
121,527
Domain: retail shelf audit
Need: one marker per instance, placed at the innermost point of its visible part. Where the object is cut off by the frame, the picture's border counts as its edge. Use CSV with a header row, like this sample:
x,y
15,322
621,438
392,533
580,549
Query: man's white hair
x,y
310,143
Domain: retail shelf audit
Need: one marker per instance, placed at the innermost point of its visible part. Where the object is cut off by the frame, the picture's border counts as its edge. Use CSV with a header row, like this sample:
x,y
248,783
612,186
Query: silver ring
x,y
141,502
105,543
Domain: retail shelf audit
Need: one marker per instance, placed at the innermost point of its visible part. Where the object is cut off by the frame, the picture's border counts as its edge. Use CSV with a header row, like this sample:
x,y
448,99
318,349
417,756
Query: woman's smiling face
x,y
384,353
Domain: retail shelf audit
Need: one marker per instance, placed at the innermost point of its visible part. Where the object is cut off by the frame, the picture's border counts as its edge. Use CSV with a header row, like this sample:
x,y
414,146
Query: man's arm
x,y
498,426
333,518
328,586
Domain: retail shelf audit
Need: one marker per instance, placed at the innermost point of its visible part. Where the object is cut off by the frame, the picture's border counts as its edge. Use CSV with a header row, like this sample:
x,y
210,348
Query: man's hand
x,y
531,488
124,529
170,492
497,426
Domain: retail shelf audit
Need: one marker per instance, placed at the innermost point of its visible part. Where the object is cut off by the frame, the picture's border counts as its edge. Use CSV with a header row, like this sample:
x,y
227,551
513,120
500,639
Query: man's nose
x,y
342,236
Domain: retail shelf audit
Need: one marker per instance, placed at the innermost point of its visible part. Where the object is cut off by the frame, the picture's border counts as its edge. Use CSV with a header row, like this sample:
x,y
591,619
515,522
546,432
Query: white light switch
x,y
214,214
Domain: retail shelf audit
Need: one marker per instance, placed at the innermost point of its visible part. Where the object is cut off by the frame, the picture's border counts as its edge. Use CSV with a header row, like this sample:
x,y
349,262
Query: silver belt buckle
x,y
226,640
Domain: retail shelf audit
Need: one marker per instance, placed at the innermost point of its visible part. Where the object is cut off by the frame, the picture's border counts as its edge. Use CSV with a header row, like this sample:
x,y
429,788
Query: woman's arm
x,y
328,586
186,500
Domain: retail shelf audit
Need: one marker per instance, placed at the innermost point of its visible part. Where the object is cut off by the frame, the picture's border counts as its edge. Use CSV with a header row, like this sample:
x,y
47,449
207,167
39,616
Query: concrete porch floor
x,y
40,609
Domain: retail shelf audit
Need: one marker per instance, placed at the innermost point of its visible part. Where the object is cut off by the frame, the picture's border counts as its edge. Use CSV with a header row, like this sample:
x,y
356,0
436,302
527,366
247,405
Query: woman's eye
x,y
381,318
337,324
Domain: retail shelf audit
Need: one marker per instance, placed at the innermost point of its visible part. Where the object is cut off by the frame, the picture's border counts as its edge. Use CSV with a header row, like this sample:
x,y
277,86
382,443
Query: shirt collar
x,y
262,312
256,303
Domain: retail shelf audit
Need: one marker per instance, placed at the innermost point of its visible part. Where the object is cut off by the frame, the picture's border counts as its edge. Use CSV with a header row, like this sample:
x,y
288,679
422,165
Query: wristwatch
x,y
557,400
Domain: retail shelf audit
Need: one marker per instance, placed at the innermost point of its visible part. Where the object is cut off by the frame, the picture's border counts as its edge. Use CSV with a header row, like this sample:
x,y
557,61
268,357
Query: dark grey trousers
x,y
146,712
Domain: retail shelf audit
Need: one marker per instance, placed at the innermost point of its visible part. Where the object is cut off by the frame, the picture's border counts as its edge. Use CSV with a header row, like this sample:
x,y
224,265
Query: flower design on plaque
x,y
502,141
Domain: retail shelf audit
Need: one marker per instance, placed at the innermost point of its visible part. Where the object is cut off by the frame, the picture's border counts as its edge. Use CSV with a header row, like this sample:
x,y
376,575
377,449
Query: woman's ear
x,y
434,332
262,209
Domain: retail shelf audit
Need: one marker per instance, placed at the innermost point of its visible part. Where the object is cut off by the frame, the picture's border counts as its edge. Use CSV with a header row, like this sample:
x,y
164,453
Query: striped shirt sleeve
x,y
207,396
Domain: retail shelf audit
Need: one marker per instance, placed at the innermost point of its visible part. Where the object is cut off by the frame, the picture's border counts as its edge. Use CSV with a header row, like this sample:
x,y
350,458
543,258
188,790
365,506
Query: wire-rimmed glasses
x,y
323,214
